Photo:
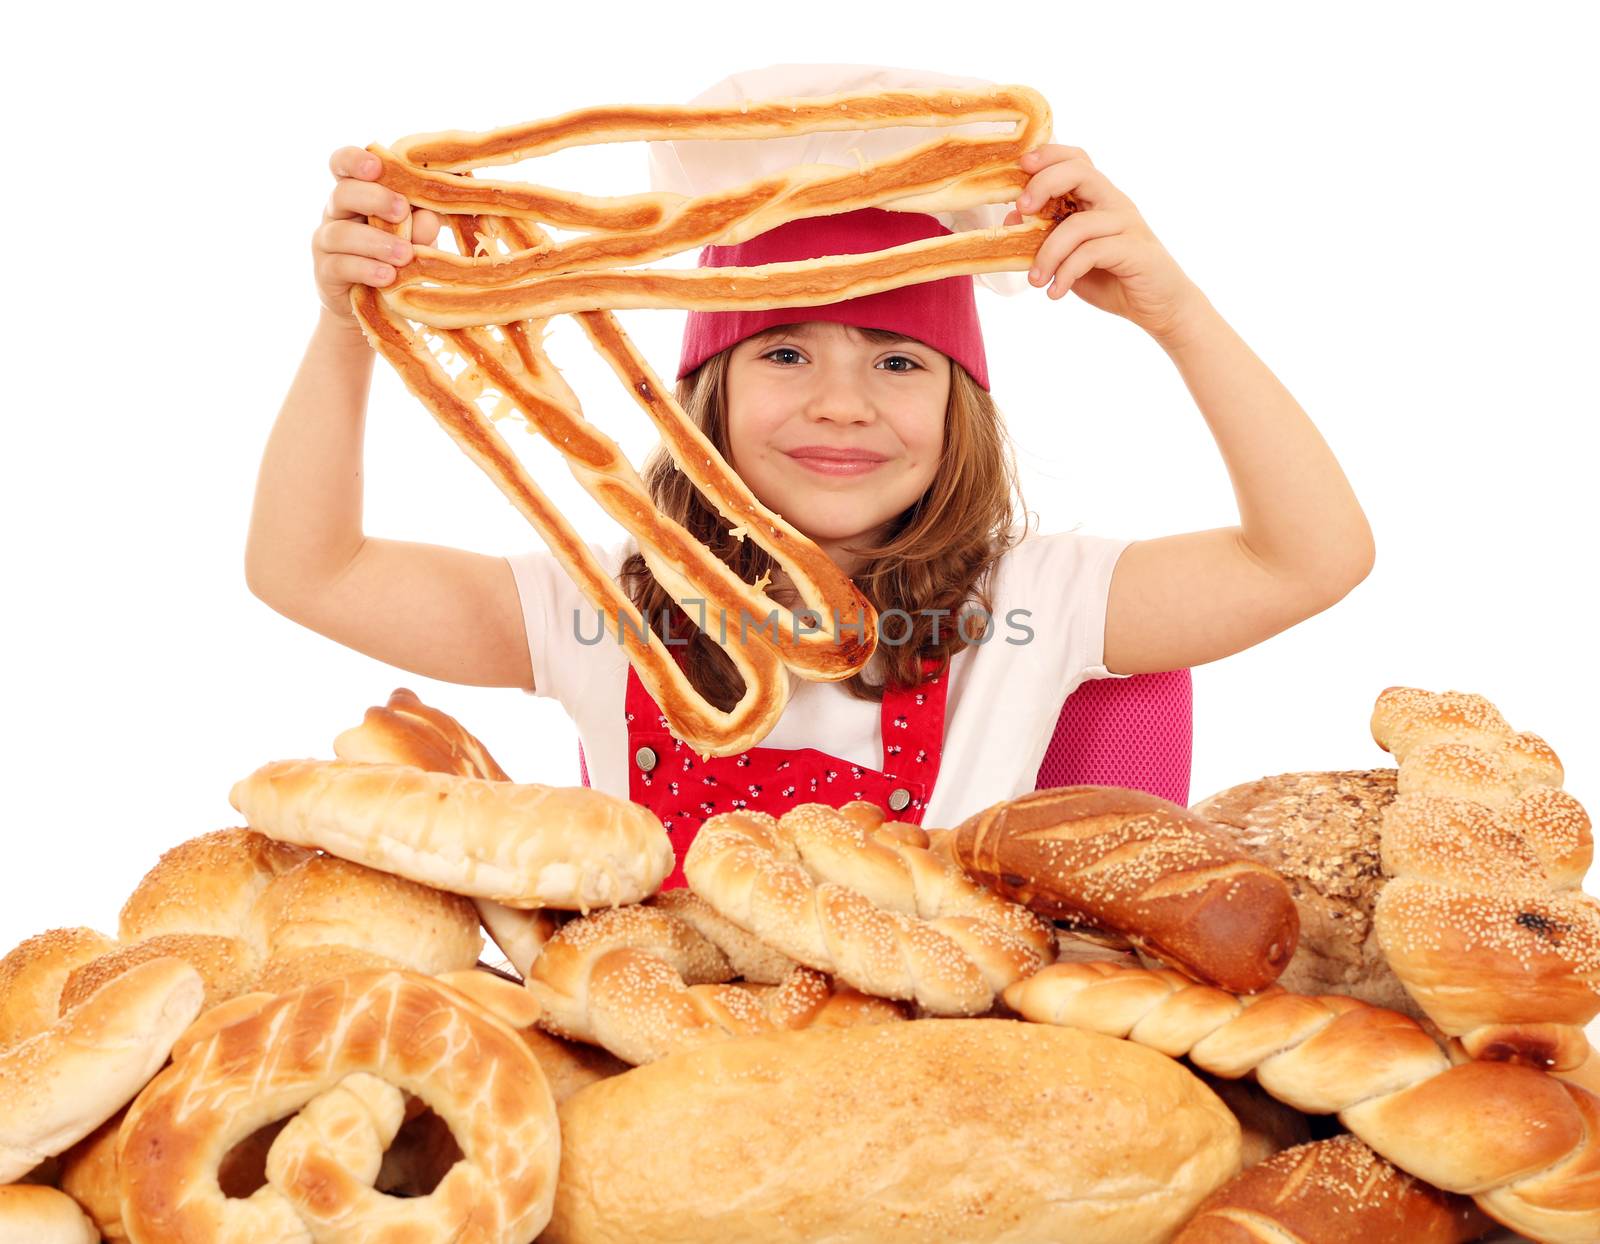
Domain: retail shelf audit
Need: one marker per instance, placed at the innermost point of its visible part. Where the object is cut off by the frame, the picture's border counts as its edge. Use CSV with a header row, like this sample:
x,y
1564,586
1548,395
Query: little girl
x,y
867,424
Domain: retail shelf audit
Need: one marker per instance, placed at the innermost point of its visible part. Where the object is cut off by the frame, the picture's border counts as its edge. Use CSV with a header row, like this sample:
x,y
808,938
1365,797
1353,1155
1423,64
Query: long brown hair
x,y
932,556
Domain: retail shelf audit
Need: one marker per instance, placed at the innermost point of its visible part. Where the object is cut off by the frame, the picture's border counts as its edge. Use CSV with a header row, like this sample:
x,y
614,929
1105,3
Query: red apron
x,y
683,790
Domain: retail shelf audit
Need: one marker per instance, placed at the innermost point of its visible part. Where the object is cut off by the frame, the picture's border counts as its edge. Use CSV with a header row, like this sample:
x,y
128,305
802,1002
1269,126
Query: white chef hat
x,y
695,167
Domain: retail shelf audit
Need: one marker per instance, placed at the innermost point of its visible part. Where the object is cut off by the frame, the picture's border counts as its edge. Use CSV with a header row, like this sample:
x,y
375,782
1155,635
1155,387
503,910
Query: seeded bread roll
x,y
1329,1192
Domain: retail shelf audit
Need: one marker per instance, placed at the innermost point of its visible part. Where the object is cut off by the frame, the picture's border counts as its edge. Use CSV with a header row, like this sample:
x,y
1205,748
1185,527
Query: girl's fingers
x,y
1092,254
347,270
346,237
424,227
1071,174
352,197
1069,236
354,162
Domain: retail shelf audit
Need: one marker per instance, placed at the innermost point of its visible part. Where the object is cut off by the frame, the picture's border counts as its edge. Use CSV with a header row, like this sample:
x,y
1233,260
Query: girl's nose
x,y
838,394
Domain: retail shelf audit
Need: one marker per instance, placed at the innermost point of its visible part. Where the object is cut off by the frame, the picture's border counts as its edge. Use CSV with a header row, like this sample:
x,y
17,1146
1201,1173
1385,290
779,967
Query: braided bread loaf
x,y
1481,920
837,890
1525,1145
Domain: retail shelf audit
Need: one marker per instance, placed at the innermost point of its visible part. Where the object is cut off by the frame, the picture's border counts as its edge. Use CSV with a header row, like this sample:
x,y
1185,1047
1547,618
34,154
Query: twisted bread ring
x,y
1482,920
1525,1145
537,278
409,1032
644,983
881,913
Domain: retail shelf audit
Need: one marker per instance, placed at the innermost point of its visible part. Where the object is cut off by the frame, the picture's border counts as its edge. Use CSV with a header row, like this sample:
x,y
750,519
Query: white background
x,y
1393,205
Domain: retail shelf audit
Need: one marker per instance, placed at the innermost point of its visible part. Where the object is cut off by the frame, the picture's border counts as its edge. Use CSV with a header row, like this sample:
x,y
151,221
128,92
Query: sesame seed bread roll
x,y
1328,1192
1143,867
33,974
921,1132
523,845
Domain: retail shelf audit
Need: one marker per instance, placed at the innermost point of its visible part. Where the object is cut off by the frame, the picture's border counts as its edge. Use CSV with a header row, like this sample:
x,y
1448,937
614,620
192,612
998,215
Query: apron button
x,y
645,758
899,797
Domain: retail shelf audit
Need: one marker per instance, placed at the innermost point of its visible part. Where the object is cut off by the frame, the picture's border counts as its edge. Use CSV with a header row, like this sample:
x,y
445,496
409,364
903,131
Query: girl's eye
x,y
901,358
781,350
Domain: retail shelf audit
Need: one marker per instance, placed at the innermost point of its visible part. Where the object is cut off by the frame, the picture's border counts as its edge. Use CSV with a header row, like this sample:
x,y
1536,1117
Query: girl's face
x,y
821,386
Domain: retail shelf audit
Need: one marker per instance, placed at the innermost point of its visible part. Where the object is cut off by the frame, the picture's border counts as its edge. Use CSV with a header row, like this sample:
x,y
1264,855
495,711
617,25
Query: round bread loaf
x,y
1319,831
928,1131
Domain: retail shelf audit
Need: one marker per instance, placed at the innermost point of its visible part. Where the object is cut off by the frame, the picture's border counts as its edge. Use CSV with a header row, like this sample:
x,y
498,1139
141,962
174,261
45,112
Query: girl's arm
x,y
1302,542
440,612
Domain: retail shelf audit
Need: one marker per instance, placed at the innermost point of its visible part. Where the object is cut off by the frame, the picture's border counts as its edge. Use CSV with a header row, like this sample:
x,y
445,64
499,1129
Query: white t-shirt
x,y
1003,697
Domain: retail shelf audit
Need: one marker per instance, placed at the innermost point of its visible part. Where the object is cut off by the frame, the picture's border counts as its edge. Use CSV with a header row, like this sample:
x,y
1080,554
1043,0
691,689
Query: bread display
x,y
1143,867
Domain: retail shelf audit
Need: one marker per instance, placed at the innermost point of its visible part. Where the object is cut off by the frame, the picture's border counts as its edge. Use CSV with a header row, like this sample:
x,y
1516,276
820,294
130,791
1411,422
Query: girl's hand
x,y
345,249
1105,252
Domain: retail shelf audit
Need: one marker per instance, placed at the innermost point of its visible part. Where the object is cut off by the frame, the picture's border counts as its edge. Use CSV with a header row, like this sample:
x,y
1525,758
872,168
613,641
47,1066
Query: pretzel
x,y
1482,920
862,902
457,297
1524,1144
344,1049
644,982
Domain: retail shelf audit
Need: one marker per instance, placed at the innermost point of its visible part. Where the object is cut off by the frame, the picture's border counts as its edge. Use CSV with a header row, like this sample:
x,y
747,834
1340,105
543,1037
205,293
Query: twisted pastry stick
x,y
539,278
1482,921
644,983
1523,1144
866,905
